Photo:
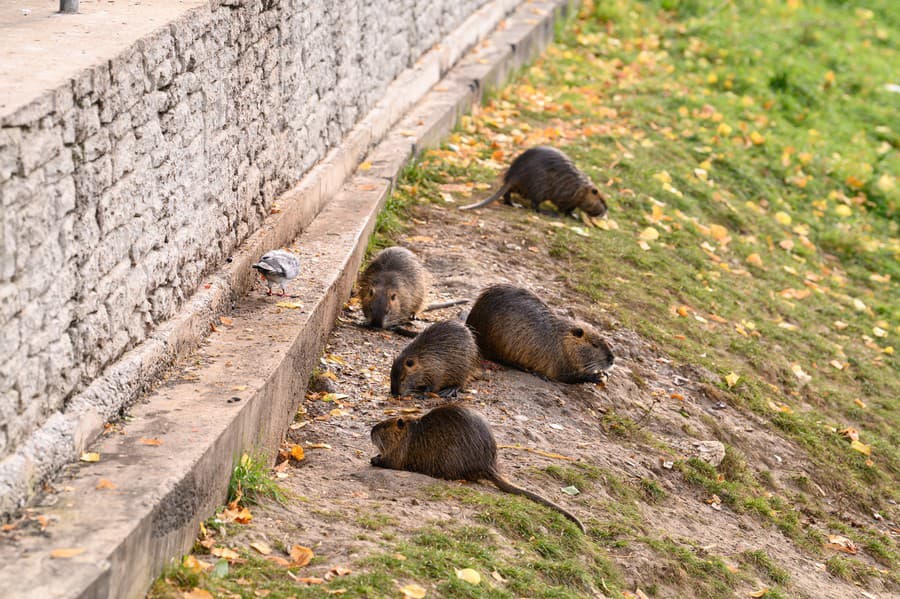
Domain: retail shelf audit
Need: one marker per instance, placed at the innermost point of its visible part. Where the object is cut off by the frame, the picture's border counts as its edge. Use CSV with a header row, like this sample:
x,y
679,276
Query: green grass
x,y
251,481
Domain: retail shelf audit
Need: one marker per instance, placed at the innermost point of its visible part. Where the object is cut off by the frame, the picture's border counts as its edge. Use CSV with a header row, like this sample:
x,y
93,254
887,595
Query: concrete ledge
x,y
264,357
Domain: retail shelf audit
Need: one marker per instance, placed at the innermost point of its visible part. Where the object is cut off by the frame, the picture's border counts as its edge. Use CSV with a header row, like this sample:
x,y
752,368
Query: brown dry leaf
x,y
233,513
297,453
225,553
754,260
860,403
151,442
851,433
226,320
719,233
300,555
413,591
340,571
366,187
841,543
197,593
67,552
261,547
277,559
683,311
335,591
90,456
105,483
318,446
312,580
194,565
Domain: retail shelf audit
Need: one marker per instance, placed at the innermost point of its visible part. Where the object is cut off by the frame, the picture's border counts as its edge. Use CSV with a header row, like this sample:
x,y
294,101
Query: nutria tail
x,y
505,485
500,193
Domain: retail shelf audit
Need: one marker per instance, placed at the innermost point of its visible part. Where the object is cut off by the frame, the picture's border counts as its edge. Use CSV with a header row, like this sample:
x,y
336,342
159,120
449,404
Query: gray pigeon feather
x,y
278,267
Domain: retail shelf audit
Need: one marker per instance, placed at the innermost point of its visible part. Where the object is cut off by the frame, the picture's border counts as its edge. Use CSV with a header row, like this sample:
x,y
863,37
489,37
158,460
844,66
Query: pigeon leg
x,y
282,292
268,290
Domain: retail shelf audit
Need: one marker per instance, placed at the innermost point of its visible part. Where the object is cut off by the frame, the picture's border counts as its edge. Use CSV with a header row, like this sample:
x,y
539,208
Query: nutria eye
x,y
595,192
579,332
393,296
401,423
410,362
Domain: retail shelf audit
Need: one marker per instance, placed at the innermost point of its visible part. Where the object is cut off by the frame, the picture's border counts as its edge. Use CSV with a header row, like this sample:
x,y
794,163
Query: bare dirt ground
x,y
337,494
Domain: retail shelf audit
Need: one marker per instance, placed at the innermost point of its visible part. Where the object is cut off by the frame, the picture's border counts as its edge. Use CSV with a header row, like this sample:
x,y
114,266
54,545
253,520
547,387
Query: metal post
x,y
68,6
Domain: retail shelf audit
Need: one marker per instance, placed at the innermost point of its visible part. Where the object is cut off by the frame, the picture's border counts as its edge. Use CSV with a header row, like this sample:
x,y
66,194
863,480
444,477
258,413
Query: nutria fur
x,y
450,442
441,359
393,288
515,327
542,174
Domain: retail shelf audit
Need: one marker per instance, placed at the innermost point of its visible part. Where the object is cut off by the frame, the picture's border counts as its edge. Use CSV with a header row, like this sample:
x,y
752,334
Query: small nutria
x,y
543,174
450,442
393,288
515,327
441,359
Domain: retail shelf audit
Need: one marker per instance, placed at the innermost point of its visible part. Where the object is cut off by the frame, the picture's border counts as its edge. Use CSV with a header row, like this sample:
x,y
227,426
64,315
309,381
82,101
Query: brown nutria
x,y
543,174
441,359
393,288
515,327
450,442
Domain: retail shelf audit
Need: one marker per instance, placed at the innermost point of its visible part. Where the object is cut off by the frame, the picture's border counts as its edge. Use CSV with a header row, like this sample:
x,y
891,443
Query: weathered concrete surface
x,y
264,357
128,185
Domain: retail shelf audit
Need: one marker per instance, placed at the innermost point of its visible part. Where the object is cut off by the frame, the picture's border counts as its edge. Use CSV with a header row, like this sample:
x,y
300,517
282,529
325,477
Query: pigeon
x,y
278,267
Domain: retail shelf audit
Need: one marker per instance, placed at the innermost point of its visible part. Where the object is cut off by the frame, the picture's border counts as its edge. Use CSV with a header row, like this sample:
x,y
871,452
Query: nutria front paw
x,y
376,461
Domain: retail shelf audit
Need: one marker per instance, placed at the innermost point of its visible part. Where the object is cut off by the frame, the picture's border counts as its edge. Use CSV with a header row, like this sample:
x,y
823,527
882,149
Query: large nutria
x,y
393,288
450,442
441,359
515,327
543,174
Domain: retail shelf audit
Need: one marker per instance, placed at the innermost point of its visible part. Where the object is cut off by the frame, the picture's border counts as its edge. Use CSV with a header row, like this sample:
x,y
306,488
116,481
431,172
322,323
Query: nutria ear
x,y
578,332
401,423
410,362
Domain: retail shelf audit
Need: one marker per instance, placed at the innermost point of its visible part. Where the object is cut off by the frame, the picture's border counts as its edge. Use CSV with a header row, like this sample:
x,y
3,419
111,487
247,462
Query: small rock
x,y
711,452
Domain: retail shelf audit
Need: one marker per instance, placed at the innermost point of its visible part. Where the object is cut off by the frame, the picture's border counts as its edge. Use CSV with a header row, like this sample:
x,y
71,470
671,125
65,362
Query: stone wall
x,y
122,188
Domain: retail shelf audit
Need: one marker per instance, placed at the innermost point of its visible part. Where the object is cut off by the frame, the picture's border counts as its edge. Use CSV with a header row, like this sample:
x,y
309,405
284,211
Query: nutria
x,y
450,442
441,359
515,327
393,288
543,174
277,267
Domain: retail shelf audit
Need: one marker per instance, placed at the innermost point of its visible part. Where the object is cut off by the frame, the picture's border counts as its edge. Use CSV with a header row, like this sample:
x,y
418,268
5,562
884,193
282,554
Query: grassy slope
x,y
755,139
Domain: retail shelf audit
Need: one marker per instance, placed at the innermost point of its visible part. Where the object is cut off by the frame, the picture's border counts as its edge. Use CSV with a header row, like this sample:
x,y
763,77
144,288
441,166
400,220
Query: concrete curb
x,y
265,356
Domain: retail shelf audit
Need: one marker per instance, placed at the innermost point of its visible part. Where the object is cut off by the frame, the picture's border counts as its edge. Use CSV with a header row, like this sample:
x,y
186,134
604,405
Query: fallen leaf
x,y
760,593
197,593
311,580
277,559
649,234
757,138
782,218
90,457
755,260
683,310
297,453
841,543
67,552
861,447
860,403
104,483
227,321
366,187
289,305
413,591
836,364
300,555
879,332
732,379
570,490
192,564
318,446
151,442
840,325
851,433
364,166
225,553
261,547
469,575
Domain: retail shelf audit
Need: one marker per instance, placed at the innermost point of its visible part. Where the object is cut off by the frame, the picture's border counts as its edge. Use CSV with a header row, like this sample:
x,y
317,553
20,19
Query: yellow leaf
x,y
889,350
192,564
225,553
732,379
757,139
90,457
105,484
297,453
300,555
682,310
755,260
718,232
649,234
289,305
724,129
644,245
843,210
783,218
879,332
840,325
413,591
760,593
841,543
365,166
197,593
859,305
261,547
151,442
861,447
663,177
67,552
469,575
854,182
836,364
860,403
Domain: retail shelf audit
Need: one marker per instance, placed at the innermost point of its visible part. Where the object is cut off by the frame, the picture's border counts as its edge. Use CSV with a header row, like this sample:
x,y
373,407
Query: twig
x,y
546,454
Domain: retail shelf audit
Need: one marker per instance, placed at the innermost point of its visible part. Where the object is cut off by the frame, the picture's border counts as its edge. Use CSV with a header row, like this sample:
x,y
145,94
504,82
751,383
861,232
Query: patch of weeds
x,y
847,569
708,576
762,562
374,521
569,477
652,491
251,482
